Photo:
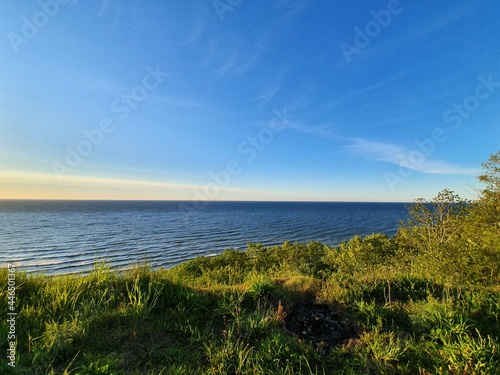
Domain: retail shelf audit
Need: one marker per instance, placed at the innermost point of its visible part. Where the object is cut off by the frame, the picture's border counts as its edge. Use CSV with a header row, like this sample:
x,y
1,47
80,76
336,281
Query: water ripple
x,y
62,237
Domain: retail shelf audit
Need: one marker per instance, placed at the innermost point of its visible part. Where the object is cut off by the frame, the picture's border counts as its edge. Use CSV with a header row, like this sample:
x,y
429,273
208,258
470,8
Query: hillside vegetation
x,y
426,301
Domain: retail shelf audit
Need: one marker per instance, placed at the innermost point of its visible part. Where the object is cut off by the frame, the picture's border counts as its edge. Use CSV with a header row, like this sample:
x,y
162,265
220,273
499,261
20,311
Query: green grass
x,y
228,315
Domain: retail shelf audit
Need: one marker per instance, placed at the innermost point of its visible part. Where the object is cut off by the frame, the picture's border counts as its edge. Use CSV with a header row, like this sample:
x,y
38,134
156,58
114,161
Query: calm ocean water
x,y
70,236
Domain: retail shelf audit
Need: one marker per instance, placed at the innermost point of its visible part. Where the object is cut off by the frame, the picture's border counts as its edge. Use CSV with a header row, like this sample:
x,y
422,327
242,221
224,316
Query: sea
x,y
66,237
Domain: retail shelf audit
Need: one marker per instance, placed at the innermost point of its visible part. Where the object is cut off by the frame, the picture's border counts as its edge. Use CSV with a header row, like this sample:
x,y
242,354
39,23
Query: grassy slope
x,y
230,315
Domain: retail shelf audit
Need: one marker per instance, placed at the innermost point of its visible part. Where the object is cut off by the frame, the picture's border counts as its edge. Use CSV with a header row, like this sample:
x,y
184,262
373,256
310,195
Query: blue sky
x,y
247,100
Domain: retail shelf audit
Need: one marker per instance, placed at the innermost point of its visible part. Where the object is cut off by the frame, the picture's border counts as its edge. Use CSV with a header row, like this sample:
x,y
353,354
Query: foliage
x,y
361,254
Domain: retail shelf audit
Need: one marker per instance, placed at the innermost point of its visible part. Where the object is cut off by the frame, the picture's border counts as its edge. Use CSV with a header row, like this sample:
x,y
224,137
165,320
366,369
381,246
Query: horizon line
x,y
190,200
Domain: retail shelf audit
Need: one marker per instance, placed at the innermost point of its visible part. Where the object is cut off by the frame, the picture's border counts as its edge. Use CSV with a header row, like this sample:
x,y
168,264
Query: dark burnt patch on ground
x,y
318,325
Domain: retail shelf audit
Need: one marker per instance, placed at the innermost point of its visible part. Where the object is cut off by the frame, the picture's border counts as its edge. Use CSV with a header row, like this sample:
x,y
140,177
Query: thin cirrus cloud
x,y
383,46
90,81
114,15
435,24
240,63
198,27
179,102
76,180
400,156
383,152
266,95
378,85
274,87
22,185
290,8
319,131
231,57
80,187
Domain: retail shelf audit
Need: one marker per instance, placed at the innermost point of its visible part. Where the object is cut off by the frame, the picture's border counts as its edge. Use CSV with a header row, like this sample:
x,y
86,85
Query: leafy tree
x,y
482,230
453,239
488,206
491,174
440,219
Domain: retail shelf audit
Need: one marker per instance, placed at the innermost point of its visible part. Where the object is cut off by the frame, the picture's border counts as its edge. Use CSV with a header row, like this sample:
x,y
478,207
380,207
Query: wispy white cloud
x,y
112,12
198,27
379,84
138,20
103,8
178,102
289,8
301,102
266,94
320,131
419,32
45,178
21,185
229,64
231,56
328,106
437,23
374,150
408,158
